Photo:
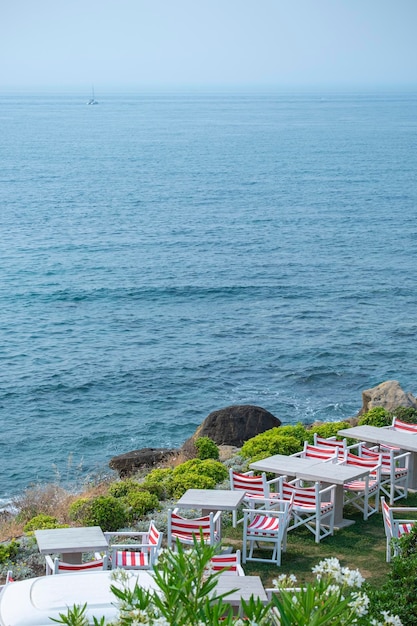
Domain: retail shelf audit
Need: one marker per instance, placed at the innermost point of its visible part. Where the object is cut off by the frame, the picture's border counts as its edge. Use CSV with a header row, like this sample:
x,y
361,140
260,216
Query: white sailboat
x,y
92,100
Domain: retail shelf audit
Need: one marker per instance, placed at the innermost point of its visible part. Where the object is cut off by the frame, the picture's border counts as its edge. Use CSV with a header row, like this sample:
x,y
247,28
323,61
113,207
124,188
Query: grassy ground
x,y
359,546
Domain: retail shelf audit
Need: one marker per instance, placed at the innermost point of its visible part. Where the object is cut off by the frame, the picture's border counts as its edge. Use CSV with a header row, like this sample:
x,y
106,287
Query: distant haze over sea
x,y
165,255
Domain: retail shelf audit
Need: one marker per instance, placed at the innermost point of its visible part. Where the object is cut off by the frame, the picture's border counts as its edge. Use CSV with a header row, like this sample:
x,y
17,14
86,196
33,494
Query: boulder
x,y
232,426
128,463
388,395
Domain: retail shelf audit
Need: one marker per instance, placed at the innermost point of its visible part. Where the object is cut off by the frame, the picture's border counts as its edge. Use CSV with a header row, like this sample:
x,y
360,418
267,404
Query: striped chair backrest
x,y
300,496
318,452
332,444
403,426
360,461
182,526
228,562
385,457
79,567
252,485
154,535
386,512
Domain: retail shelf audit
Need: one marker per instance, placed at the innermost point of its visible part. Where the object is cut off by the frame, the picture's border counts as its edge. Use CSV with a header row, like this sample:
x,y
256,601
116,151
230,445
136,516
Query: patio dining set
x,y
278,494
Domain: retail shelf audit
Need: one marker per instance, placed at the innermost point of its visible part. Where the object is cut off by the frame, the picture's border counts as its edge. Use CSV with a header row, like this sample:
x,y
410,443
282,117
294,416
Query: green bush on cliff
x,y
108,512
159,482
41,522
208,467
207,449
378,416
280,440
122,488
328,429
139,503
9,551
406,414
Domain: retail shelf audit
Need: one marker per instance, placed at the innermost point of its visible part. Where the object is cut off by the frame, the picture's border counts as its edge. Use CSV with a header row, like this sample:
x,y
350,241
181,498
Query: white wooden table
x,y
388,437
242,587
314,470
209,500
34,601
72,542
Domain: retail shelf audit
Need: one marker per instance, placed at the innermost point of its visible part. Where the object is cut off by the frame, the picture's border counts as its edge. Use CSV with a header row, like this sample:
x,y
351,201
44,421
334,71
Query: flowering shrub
x,y
334,599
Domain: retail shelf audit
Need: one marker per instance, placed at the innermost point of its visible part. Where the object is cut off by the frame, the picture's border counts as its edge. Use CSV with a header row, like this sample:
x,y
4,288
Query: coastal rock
x,y
232,426
128,463
388,395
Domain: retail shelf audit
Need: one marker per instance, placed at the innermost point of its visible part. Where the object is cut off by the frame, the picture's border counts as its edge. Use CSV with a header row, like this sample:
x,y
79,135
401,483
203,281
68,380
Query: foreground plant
x,y
333,599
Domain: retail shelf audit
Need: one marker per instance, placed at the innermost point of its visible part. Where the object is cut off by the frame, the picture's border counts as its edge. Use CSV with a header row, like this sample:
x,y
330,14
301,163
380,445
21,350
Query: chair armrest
x,y
217,516
50,564
329,489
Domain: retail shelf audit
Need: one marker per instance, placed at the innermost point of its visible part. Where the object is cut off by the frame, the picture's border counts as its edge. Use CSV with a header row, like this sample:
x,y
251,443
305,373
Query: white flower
x,y
359,603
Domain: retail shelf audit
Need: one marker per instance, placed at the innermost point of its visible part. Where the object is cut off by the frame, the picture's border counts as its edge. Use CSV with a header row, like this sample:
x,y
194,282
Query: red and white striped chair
x,y
396,528
394,470
338,446
256,489
55,566
313,507
266,526
188,530
403,426
227,563
141,554
361,491
325,454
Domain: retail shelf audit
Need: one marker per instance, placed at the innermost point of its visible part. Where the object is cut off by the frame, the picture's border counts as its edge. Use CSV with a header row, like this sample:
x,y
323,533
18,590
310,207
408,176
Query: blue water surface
x,y
167,255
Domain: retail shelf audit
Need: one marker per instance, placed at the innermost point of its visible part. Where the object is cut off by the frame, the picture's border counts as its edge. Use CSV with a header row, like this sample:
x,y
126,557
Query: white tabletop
x,y
70,540
34,601
211,499
387,436
283,464
245,587
309,469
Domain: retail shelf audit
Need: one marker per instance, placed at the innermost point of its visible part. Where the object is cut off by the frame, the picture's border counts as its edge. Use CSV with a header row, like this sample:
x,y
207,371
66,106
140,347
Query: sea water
x,y
165,255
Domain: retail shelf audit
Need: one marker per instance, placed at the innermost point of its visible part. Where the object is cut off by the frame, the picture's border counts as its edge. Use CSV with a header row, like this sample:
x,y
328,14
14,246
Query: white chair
x,y
266,527
142,553
394,470
55,566
395,528
256,489
361,491
186,530
313,507
227,563
338,446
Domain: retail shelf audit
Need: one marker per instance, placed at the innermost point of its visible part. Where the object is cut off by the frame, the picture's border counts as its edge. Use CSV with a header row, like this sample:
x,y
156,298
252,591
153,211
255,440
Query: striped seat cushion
x,y
360,485
130,558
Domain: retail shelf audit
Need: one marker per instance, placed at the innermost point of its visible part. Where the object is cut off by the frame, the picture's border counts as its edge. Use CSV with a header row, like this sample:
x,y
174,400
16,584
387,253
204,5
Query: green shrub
x,y
42,521
326,430
207,449
140,502
208,467
108,512
378,416
159,482
273,441
406,414
121,488
8,551
191,480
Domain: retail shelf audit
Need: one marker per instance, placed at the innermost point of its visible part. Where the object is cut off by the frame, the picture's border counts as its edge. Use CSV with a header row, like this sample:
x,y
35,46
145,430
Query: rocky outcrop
x,y
130,462
388,395
232,426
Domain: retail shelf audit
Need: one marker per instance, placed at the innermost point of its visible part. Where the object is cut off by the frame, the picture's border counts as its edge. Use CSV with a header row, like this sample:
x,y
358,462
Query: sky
x,y
133,44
